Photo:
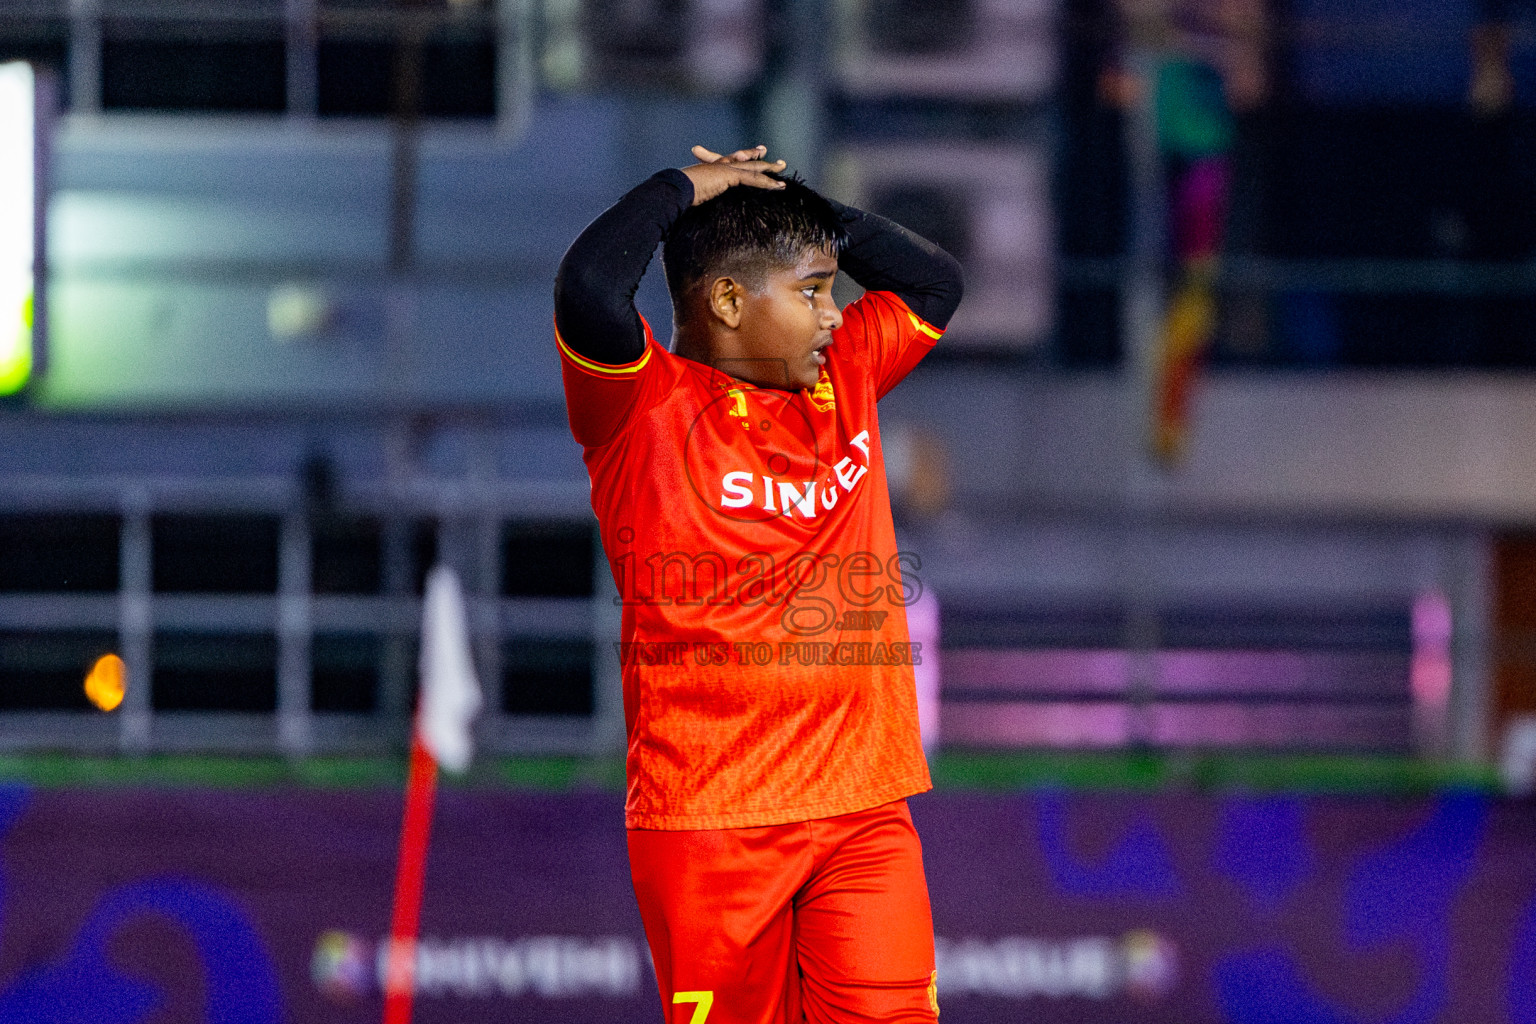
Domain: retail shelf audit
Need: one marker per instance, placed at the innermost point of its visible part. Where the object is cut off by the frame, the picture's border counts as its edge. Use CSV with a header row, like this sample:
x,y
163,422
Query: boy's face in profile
x,y
785,324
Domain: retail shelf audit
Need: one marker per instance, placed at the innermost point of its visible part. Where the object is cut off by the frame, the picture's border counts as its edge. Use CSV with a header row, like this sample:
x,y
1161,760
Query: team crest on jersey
x,y
738,405
822,396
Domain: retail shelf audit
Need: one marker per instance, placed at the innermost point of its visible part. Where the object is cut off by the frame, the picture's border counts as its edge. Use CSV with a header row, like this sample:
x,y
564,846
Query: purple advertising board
x,y
140,906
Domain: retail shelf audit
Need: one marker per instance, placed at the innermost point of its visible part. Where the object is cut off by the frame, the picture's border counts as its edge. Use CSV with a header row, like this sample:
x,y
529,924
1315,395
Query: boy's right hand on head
x,y
713,174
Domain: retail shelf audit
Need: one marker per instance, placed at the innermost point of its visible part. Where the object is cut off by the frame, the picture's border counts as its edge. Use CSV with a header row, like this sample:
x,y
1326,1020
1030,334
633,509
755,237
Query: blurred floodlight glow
x,y
298,311
107,682
17,139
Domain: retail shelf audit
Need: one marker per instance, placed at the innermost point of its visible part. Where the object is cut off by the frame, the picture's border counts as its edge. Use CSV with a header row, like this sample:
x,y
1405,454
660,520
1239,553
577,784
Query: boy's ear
x,y
725,296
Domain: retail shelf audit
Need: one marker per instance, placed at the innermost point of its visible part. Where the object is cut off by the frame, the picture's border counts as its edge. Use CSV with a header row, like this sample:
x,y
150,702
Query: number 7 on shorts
x,y
702,1002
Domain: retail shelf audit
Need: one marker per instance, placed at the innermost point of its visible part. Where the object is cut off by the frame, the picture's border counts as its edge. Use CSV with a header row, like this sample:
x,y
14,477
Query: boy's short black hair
x,y
747,231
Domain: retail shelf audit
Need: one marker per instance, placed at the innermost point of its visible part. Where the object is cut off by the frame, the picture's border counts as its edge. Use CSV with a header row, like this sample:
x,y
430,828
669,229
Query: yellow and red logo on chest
x,y
822,396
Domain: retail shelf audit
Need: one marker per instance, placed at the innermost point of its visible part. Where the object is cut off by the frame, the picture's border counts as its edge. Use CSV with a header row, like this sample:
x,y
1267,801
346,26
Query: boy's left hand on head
x,y
741,156
713,174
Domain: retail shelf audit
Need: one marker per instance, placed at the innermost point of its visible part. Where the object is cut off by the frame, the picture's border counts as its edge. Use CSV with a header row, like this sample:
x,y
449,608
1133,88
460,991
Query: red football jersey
x,y
767,669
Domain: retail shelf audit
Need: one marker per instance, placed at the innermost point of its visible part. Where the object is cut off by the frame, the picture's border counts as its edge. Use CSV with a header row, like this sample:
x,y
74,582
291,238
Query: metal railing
x,y
469,520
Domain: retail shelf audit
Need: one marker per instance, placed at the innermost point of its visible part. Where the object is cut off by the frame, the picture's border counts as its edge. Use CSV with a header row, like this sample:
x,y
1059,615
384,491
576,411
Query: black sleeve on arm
x,y
596,283
883,256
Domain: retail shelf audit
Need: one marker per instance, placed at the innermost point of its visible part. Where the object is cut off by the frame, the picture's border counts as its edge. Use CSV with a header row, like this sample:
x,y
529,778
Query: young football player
x,y
739,486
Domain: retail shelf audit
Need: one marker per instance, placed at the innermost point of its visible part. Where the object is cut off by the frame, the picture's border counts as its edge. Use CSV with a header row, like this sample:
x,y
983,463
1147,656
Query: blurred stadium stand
x,y
258,427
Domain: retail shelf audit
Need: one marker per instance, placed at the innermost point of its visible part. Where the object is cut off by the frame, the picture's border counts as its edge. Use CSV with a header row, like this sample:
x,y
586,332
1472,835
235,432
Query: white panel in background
x,y
989,204
962,49
18,240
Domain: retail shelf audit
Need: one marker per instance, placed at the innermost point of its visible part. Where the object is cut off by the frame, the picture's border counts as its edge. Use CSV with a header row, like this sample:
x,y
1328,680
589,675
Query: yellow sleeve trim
x,y
923,327
587,364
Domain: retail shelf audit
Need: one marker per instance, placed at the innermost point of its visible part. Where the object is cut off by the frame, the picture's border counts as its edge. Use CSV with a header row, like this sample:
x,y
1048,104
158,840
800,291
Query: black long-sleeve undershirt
x,y
596,284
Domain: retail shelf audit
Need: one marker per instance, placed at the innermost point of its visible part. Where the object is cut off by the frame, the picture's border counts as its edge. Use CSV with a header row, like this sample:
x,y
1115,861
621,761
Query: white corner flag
x,y
450,695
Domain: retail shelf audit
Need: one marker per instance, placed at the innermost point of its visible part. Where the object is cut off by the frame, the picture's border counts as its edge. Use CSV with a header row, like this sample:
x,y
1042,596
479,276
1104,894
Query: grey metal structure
x,y
469,515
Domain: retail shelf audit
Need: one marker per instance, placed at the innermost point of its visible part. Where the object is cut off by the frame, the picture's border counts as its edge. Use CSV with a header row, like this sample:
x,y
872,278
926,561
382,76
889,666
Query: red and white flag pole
x,y
450,698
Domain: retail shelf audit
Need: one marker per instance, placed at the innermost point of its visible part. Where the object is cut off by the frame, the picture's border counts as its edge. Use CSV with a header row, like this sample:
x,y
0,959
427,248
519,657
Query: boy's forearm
x,y
597,280
884,256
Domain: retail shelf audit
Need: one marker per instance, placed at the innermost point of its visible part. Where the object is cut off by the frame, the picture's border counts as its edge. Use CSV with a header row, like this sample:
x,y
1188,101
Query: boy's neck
x,y
690,342
706,351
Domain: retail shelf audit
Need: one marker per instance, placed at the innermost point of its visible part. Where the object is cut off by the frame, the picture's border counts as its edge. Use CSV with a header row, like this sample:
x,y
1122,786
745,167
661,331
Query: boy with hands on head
x,y
739,485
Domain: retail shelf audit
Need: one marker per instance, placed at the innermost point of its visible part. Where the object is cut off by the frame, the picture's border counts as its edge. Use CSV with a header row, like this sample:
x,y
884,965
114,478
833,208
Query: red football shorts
x,y
821,921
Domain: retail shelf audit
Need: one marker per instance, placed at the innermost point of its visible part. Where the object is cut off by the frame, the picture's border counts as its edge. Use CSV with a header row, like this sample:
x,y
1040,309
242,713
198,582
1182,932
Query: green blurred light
x,y
1193,119
16,351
